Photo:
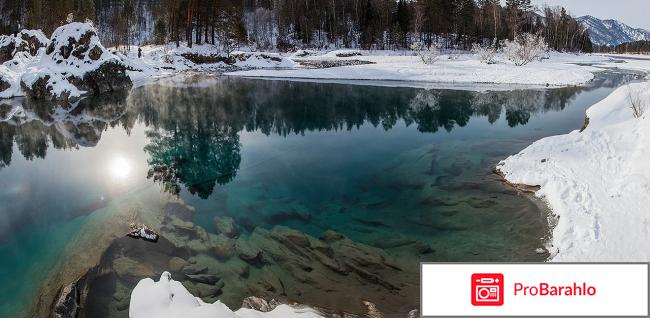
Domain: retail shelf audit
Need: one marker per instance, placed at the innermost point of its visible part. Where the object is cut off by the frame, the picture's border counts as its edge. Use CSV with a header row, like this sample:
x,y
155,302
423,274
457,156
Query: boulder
x,y
176,264
41,89
222,247
75,64
203,278
225,225
108,77
6,49
28,41
194,269
4,84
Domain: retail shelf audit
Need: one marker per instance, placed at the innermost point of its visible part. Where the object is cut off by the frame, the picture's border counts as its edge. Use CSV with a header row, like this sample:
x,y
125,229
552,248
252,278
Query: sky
x,y
635,13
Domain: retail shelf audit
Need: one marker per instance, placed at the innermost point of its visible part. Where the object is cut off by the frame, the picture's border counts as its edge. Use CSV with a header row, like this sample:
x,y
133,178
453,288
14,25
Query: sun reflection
x,y
120,167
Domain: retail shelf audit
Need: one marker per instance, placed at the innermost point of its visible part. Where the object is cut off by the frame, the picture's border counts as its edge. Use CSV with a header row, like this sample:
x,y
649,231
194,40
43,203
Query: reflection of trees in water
x,y
195,159
193,123
36,126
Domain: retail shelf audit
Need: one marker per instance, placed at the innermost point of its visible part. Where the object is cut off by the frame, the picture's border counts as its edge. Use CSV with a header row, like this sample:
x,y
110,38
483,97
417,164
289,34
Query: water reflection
x,y
194,133
35,126
362,161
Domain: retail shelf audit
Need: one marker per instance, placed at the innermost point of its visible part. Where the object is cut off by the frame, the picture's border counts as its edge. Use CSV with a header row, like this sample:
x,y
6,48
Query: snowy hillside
x,y
612,32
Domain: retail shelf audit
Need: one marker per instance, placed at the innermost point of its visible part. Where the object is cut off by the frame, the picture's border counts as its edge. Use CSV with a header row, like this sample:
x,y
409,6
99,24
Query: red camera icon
x,y
487,289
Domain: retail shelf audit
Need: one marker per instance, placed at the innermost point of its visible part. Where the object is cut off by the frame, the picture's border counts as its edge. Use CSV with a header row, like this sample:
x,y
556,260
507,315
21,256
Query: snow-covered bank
x,y
168,298
596,181
559,70
74,63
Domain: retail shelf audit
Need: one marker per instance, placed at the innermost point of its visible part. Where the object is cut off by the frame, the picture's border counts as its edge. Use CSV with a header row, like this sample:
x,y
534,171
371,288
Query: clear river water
x,y
404,174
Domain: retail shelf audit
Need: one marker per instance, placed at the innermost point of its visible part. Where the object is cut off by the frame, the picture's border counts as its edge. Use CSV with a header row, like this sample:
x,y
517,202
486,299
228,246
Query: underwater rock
x,y
203,278
128,268
248,253
176,264
194,269
204,290
225,225
330,236
222,247
179,210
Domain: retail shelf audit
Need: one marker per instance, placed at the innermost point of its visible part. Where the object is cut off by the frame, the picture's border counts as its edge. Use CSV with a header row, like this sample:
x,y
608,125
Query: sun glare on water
x,y
120,167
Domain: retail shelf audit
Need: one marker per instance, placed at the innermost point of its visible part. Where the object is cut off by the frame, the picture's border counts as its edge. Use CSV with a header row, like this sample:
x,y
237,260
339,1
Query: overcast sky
x,y
635,13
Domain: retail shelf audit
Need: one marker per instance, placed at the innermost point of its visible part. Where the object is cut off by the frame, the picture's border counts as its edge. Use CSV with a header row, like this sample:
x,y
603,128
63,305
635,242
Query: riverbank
x,y
457,68
55,69
596,181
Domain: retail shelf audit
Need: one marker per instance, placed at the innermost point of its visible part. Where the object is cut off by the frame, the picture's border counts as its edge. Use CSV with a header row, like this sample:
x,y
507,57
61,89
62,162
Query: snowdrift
x,y
596,181
168,298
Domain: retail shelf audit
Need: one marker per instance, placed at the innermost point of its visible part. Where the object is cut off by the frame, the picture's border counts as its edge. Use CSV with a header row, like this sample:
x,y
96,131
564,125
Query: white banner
x,y
552,289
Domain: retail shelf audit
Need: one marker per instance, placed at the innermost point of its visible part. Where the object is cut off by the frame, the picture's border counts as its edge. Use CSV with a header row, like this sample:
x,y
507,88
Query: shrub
x,y
428,54
525,48
638,100
486,52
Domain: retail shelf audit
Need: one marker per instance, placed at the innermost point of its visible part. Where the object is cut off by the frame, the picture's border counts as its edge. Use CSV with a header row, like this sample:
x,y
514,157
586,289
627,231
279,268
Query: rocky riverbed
x,y
279,263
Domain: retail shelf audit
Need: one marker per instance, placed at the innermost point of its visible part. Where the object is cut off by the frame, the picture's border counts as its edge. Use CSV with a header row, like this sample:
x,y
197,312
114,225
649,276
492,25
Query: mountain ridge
x,y
612,32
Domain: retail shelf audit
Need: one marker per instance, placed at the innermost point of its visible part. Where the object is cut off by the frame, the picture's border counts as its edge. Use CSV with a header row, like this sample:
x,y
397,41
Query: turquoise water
x,y
380,165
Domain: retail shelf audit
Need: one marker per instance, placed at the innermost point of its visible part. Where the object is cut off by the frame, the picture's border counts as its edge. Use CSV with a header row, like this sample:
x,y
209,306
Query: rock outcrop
x,y
75,63
4,84
28,41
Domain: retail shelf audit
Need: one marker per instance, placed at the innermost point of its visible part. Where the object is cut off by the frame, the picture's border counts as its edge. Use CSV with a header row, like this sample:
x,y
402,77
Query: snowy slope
x,y
168,298
612,32
597,181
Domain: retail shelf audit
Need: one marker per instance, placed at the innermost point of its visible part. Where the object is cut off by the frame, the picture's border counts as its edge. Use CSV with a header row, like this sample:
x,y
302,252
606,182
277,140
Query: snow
x,y
463,69
168,298
612,32
596,181
59,68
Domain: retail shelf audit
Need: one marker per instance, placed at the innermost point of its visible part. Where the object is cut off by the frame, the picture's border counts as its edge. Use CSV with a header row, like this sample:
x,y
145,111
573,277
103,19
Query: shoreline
x,y
575,186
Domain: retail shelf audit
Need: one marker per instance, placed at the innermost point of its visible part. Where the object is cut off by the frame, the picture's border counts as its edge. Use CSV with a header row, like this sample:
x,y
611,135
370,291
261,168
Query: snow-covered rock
x,y
168,298
75,63
28,41
596,181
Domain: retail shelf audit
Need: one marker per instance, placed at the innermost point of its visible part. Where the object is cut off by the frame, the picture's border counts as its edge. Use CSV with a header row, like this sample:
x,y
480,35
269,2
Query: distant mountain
x,y
612,32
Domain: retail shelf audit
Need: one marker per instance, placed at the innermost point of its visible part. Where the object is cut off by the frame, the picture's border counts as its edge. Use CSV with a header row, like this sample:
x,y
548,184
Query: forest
x,y
286,25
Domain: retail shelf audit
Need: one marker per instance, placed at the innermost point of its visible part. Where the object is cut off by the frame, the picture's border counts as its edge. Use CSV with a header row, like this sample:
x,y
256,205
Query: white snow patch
x,y
168,298
596,181
459,68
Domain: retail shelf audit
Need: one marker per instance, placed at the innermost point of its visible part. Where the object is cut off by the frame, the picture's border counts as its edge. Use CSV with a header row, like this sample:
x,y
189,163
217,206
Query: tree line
x,y
637,47
292,24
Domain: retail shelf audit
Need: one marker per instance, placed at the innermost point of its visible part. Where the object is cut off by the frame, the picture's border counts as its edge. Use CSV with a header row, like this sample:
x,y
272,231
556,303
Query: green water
x,y
380,165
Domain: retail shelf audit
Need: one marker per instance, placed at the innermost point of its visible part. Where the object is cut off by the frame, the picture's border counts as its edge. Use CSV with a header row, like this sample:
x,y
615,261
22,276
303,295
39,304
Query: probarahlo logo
x,y
487,289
